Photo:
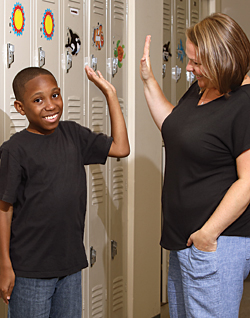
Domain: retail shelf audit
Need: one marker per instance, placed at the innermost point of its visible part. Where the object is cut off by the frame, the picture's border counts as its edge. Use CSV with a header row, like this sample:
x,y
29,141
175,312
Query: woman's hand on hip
x,y
203,241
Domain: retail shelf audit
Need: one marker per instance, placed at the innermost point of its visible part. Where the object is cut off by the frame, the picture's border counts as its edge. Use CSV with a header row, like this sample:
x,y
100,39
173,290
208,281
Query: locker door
x,y
167,49
117,192
166,86
95,283
17,48
179,67
46,41
193,18
72,60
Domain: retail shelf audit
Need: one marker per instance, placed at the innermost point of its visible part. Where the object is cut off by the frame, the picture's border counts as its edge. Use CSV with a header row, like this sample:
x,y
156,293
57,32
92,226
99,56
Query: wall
x,y
144,184
238,10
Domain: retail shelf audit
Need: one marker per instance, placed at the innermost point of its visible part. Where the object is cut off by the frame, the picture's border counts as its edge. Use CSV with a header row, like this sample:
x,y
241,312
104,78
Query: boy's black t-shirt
x,y
202,144
43,176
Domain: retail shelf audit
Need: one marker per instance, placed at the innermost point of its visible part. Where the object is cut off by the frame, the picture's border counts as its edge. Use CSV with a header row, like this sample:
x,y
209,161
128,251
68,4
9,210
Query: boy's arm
x,y
7,276
120,145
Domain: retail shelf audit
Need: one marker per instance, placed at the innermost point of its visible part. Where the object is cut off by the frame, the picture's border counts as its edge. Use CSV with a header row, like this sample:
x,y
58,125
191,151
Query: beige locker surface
x,y
3,309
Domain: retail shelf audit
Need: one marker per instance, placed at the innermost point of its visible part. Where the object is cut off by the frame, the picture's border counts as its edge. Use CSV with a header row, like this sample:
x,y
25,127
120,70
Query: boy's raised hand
x,y
99,81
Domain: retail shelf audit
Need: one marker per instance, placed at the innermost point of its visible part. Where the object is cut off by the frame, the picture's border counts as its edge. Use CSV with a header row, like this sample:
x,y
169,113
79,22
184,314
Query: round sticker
x,y
18,19
48,24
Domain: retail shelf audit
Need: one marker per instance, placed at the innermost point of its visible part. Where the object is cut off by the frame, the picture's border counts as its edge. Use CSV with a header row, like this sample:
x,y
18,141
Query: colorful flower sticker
x,y
119,53
18,19
98,37
48,24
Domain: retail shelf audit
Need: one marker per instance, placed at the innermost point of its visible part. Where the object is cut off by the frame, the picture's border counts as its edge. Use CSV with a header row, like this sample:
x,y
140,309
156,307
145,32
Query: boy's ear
x,y
19,107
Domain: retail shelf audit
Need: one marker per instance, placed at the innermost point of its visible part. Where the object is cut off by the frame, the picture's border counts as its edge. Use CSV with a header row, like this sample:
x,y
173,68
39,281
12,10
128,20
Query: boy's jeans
x,y
208,284
46,298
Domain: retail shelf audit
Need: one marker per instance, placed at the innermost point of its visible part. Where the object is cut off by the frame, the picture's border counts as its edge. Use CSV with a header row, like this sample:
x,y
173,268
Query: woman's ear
x,y
19,107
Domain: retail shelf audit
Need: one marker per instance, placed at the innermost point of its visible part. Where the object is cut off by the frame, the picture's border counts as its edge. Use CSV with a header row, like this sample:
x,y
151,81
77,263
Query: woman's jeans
x,y
208,284
46,298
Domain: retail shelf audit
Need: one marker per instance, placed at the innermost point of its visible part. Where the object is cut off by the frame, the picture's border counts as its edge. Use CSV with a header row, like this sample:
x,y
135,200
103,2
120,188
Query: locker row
x,y
63,36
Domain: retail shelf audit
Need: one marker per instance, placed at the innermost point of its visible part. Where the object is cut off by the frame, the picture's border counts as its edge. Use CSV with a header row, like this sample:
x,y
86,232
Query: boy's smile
x,y
42,104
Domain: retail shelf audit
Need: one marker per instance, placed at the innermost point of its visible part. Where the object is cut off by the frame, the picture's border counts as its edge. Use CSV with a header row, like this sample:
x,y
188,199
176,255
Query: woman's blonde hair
x,y
223,50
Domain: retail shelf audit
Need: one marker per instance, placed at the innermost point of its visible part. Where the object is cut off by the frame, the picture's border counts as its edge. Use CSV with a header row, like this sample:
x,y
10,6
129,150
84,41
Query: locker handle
x,y
10,54
93,62
113,249
176,73
164,66
92,256
41,57
68,61
114,66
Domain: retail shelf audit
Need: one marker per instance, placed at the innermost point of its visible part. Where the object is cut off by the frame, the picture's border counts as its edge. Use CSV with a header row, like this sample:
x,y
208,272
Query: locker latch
x,y
113,249
41,57
93,62
92,256
190,77
176,73
10,54
68,61
114,66
164,66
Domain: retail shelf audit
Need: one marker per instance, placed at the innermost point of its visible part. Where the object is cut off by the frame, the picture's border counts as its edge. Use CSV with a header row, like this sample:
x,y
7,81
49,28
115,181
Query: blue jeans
x,y
46,298
208,284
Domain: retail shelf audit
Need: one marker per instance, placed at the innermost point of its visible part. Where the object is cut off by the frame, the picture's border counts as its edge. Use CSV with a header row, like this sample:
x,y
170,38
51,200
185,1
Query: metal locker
x,y
46,35
95,276
117,190
72,13
178,48
17,55
166,49
193,18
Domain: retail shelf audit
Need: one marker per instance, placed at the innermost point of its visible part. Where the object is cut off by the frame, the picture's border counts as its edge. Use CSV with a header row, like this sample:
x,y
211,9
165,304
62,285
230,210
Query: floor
x,y
244,306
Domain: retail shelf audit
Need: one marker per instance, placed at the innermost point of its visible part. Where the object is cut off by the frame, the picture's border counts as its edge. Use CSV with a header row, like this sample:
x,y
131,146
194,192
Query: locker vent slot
x,y
97,186
98,7
181,23
98,107
118,293
118,183
194,17
17,121
49,1
166,15
97,301
74,109
119,10
75,1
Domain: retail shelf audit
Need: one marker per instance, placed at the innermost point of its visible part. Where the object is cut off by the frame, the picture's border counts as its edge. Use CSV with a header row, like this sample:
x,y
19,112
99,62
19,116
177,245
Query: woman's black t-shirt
x,y
202,144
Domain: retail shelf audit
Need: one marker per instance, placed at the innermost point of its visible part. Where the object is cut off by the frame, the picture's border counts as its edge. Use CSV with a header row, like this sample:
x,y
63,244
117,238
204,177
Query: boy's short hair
x,y
24,76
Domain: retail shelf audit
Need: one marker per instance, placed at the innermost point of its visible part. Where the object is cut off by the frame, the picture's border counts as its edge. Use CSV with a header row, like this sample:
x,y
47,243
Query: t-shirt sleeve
x,y
95,147
241,131
10,177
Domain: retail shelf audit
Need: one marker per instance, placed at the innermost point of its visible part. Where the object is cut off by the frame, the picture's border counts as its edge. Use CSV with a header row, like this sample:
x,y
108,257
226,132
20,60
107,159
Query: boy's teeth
x,y
51,117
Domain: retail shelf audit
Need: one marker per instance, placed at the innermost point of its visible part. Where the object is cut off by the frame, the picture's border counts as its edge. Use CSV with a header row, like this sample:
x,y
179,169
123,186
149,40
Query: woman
x,y
206,191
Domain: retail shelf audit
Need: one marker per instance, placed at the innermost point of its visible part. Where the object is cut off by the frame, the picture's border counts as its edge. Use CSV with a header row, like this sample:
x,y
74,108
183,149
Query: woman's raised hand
x,y
145,66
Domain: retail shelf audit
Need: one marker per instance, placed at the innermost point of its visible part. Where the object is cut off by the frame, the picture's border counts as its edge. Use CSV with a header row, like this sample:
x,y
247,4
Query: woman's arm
x,y
7,276
158,105
230,208
120,145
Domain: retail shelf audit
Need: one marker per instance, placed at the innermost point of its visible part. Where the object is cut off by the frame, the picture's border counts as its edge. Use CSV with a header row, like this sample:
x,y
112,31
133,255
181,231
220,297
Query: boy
x,y
43,197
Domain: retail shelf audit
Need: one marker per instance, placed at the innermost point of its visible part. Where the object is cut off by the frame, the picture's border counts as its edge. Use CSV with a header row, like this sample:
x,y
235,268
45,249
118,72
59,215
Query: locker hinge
x,y
113,249
92,256
41,57
10,54
176,73
68,61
